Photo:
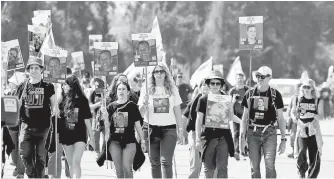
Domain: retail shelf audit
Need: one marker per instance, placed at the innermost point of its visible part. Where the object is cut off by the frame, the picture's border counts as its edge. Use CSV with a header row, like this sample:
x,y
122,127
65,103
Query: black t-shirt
x,y
192,113
95,98
262,111
76,116
209,132
36,105
184,90
238,108
122,119
306,106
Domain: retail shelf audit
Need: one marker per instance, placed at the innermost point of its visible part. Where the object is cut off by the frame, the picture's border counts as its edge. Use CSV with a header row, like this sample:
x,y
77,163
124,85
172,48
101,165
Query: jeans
x,y
52,161
123,158
32,150
195,159
19,167
258,141
236,134
97,135
216,158
161,152
313,168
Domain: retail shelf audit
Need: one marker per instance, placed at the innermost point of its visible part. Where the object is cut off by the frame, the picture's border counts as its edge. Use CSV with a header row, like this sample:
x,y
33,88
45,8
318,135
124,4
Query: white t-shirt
x,y
161,106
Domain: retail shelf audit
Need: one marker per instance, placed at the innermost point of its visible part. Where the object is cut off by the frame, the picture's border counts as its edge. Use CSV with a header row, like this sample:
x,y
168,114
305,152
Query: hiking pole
x,y
147,116
56,126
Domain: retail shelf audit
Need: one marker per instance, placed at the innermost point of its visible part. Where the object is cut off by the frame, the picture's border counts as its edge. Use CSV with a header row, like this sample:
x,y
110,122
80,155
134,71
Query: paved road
x,y
286,168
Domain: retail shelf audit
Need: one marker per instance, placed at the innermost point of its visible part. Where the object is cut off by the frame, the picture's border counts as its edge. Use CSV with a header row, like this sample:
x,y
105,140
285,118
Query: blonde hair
x,y
168,81
310,83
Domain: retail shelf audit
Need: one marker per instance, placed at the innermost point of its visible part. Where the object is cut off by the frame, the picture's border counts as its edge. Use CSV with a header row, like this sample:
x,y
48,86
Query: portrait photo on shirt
x,y
251,32
120,121
260,106
218,113
72,115
144,50
55,69
161,105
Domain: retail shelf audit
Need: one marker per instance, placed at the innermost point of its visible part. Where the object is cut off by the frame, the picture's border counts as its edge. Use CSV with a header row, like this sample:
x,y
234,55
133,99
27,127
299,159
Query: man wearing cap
x,y
257,126
217,142
238,92
38,101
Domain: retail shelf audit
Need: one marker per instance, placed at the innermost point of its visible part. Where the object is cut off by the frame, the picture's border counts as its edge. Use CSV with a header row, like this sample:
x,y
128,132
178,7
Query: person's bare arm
x,y
321,110
243,124
139,131
199,122
281,122
178,116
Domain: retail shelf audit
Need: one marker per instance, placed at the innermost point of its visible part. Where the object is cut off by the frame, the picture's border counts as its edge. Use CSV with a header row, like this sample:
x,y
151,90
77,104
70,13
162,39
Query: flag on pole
x,y
157,34
202,72
304,76
234,70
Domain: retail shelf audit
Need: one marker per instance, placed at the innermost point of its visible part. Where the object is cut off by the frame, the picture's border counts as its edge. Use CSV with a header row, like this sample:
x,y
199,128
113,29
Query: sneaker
x,y
236,156
291,155
19,176
15,173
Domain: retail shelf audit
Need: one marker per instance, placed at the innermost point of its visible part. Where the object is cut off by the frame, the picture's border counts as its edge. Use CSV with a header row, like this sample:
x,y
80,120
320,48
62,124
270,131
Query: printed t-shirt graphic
x,y
120,121
218,111
34,98
72,118
161,105
260,106
305,109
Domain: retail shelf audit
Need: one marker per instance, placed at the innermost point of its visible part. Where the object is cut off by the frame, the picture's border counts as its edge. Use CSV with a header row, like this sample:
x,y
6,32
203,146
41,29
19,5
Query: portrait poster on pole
x,y
14,55
144,50
251,33
105,58
36,36
218,111
92,40
55,61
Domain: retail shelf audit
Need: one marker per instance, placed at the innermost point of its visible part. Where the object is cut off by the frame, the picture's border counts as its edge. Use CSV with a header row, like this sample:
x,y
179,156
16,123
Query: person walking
x,y
308,111
75,122
258,126
123,119
159,104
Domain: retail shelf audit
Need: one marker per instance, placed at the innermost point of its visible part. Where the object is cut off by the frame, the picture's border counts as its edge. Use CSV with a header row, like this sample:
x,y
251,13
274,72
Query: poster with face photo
x,y
36,36
260,106
251,33
105,58
55,61
144,50
14,55
161,105
219,111
121,121
92,40
77,60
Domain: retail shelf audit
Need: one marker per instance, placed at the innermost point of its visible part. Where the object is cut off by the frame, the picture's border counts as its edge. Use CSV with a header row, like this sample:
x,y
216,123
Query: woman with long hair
x,y
124,118
307,111
75,120
160,107
112,96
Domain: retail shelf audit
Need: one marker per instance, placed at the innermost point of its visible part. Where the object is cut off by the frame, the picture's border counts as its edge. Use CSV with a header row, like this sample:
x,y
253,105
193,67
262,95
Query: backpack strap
x,y
251,94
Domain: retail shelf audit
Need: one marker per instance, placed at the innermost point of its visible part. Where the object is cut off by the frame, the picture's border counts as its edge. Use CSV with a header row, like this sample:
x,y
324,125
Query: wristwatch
x,y
283,139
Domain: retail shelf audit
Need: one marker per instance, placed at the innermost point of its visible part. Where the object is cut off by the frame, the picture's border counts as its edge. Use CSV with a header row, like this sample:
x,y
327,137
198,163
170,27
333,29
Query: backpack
x,y
273,98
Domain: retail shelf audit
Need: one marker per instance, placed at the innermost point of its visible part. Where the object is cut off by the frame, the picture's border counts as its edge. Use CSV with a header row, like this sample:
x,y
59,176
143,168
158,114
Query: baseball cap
x,y
34,61
264,70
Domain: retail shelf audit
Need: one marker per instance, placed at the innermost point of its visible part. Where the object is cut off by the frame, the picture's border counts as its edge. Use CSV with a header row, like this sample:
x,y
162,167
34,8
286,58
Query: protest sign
x,y
14,55
77,60
99,84
144,50
105,58
219,111
251,33
92,39
36,36
4,51
55,65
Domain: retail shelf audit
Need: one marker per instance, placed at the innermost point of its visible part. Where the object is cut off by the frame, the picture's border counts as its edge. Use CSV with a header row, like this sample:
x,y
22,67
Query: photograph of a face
x,y
55,61
144,50
218,111
251,33
120,121
36,36
105,58
260,103
161,105
14,55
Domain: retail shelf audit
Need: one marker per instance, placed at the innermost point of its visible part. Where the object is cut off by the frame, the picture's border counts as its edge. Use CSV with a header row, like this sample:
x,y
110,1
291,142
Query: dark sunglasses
x,y
215,84
307,87
159,71
261,76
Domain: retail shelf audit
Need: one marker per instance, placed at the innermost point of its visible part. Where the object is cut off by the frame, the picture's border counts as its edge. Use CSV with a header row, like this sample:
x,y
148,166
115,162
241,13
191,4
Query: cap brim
x,y
214,77
34,64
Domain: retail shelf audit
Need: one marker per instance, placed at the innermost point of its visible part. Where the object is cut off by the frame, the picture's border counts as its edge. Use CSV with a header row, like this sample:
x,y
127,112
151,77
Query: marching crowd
x,y
70,118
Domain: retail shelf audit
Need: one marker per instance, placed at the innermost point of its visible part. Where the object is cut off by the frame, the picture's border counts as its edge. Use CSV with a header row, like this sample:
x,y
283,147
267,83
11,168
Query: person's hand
x,y
92,142
143,146
243,145
281,148
180,134
146,99
234,99
198,145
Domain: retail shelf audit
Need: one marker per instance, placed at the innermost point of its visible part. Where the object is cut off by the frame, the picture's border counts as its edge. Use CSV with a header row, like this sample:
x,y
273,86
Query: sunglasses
x,y
215,84
307,87
261,76
159,71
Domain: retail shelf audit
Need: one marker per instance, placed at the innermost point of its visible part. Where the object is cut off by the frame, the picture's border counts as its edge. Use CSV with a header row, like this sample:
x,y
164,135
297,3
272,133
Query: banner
x,y
202,72
14,55
105,58
144,50
234,70
219,111
77,60
55,61
251,33
92,39
36,36
219,68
